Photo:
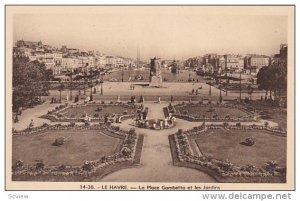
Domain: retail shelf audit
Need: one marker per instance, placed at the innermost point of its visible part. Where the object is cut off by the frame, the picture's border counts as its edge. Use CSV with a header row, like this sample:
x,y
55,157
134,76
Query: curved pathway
x,y
156,161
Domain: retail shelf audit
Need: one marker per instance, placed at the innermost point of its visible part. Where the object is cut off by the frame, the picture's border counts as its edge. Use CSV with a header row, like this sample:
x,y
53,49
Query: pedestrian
x,y
172,99
158,99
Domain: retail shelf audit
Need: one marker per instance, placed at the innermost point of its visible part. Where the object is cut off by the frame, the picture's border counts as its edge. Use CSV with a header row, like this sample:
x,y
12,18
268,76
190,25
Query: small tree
x,y
59,141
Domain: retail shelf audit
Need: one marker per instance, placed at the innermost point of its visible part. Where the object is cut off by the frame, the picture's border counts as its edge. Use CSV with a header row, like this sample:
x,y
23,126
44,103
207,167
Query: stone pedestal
x,y
156,81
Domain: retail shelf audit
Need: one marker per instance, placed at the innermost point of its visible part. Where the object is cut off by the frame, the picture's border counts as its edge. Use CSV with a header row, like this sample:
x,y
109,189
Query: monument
x,y
155,73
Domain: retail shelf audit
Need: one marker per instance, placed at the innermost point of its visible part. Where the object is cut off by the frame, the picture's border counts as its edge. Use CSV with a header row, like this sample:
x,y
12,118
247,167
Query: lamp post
x,y
91,85
240,86
227,80
209,92
85,74
101,83
71,87
220,91
122,73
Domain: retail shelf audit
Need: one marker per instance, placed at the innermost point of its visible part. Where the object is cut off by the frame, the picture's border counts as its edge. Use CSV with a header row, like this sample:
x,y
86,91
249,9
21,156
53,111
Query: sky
x,y
166,32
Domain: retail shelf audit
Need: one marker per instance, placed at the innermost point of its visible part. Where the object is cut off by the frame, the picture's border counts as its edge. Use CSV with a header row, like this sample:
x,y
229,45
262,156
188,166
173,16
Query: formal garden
x,y
73,152
93,112
212,112
233,153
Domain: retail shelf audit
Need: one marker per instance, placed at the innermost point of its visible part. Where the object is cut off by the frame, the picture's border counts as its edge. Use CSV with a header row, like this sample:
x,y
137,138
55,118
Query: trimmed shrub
x,y
131,131
87,166
266,124
248,142
59,141
19,164
126,151
62,167
40,165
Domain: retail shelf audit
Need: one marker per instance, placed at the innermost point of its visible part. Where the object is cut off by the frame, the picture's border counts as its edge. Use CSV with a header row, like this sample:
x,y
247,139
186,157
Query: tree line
x,y
30,82
273,78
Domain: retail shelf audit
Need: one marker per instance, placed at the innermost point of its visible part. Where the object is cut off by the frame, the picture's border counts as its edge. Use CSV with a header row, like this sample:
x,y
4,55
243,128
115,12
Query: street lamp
x,y
122,73
101,83
240,86
91,85
71,87
85,75
220,91
227,81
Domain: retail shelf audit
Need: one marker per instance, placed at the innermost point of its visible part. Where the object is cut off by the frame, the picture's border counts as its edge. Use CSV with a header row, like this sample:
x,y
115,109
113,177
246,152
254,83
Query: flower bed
x,y
57,115
126,155
250,114
224,170
154,124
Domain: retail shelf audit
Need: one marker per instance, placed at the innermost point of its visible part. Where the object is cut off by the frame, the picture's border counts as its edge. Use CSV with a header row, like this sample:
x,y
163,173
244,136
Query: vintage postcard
x,y
150,97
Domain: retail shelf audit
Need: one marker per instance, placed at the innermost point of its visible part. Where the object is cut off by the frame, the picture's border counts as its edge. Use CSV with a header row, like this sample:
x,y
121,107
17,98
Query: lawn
x,y
91,110
273,113
222,112
167,76
225,144
79,146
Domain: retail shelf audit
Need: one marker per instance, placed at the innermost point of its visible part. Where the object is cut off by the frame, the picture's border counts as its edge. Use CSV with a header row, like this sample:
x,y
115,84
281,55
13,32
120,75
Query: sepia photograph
x,y
171,97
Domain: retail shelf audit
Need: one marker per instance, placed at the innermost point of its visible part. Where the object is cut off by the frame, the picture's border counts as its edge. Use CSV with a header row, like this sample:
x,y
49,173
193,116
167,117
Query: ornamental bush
x,y
62,167
40,165
59,141
271,165
87,166
126,151
249,142
19,163
131,131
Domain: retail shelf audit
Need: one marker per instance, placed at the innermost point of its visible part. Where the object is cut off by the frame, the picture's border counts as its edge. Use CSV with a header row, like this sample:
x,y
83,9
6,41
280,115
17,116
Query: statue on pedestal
x,y
155,73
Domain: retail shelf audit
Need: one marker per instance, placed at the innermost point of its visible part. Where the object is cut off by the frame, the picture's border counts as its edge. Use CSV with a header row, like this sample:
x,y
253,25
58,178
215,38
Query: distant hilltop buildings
x,y
65,59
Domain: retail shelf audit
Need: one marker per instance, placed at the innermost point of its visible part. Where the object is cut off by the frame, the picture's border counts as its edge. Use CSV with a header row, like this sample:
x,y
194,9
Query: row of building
x,y
250,63
64,59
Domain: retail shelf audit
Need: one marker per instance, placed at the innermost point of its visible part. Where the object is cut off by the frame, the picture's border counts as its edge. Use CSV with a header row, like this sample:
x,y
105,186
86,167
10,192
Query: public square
x,y
156,96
